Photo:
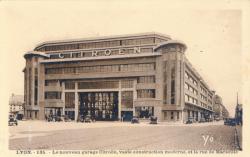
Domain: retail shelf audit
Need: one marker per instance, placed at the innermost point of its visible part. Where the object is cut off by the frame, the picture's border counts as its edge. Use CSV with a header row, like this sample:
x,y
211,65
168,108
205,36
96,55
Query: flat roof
x,y
89,39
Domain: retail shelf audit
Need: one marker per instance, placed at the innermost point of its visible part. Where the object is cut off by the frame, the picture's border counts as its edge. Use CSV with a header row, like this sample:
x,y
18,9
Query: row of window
x,y
102,44
127,83
190,78
146,79
190,99
103,68
203,90
203,97
171,115
146,93
191,89
98,85
124,83
204,105
52,95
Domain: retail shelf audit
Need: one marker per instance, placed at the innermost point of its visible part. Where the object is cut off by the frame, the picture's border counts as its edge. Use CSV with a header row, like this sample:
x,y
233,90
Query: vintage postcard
x,y
129,78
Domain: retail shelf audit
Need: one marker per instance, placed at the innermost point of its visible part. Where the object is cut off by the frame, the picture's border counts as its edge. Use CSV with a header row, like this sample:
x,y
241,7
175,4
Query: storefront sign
x,y
108,52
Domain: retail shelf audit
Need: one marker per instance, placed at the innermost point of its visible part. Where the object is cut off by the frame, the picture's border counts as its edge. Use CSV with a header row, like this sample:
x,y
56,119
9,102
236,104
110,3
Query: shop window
x,y
144,111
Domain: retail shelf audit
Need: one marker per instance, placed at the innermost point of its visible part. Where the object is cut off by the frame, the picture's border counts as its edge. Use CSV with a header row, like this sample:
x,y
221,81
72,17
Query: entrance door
x,y
127,115
99,105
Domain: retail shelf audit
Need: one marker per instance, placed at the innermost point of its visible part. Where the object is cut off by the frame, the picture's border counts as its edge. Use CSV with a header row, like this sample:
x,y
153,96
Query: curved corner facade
x,y
114,78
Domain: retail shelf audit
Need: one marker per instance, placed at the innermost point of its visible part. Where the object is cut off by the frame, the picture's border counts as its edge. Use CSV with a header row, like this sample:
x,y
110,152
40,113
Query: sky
x,y
213,36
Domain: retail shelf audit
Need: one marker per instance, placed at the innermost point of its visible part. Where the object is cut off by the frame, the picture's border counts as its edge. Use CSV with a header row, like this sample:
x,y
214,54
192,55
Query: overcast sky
x,y
213,37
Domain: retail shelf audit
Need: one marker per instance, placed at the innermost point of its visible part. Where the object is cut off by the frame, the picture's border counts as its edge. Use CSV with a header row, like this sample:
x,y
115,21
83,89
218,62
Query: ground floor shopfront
x,y
110,100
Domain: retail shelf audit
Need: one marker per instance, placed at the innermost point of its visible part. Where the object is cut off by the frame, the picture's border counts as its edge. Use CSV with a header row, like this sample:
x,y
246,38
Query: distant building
x,y
115,77
16,103
217,107
225,113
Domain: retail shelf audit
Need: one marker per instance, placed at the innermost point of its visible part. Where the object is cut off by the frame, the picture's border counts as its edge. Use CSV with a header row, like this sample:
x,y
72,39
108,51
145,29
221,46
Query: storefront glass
x,y
99,105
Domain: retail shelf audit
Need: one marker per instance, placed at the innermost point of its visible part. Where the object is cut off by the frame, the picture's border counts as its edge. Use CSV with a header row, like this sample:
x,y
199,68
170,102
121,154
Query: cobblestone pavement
x,y
116,135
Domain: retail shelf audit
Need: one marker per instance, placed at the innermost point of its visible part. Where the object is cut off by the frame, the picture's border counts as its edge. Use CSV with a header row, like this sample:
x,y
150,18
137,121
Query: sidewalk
x,y
238,132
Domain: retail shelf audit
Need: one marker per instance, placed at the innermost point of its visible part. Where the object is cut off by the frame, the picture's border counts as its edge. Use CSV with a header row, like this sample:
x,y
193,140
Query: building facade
x,y
218,107
16,103
115,77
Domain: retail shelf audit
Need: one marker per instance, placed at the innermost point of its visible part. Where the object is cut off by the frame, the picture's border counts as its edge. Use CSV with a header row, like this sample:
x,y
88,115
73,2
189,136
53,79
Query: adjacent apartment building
x,y
115,77
16,103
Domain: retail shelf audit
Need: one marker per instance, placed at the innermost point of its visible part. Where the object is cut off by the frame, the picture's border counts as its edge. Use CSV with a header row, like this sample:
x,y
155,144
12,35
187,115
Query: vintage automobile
x,y
12,120
135,120
85,119
153,120
230,121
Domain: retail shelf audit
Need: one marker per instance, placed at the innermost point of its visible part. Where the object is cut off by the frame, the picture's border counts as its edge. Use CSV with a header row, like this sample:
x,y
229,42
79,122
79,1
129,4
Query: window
x,y
127,83
69,85
146,93
127,99
52,95
144,111
173,84
146,79
98,85
69,99
178,115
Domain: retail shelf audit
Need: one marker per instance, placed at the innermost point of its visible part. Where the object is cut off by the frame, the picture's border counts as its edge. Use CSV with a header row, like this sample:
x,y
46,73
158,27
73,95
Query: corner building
x,y
115,77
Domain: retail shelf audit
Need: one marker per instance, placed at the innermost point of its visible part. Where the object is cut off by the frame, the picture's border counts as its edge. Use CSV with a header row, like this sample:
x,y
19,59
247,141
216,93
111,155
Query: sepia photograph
x,y
122,78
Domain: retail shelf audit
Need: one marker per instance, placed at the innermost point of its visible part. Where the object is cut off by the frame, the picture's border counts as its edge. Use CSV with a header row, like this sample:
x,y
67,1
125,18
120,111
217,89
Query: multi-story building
x,y
115,77
218,107
16,103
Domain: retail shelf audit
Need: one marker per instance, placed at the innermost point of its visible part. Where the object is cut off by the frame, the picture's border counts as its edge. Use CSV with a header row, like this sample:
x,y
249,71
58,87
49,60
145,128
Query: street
x,y
118,135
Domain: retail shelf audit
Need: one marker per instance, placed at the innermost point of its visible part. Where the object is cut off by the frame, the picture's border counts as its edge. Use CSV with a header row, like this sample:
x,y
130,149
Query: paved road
x,y
138,136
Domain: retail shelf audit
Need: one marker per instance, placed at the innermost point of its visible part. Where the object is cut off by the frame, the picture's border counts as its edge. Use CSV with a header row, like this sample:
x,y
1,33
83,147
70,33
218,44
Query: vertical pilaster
x,y
119,100
177,80
41,85
134,95
63,98
76,102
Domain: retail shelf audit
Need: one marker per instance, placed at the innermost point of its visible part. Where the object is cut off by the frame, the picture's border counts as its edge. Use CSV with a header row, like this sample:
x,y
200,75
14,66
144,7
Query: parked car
x,y
190,120
135,120
12,120
230,122
87,119
153,120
